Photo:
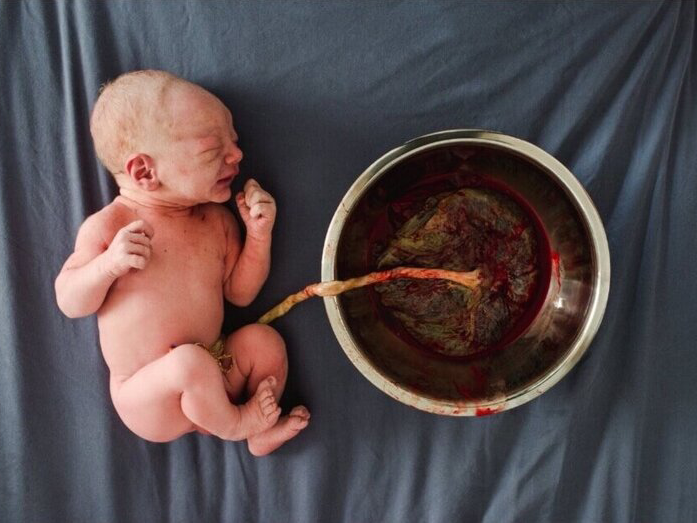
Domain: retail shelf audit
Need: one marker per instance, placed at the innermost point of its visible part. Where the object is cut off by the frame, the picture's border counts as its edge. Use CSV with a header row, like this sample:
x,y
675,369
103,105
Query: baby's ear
x,y
140,169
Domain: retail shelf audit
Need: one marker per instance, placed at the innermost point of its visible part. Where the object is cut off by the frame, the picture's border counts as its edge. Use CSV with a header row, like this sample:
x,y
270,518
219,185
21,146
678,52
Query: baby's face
x,y
197,155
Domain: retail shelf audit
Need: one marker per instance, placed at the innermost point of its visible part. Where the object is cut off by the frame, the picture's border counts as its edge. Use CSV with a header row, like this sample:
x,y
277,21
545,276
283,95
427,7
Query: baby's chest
x,y
188,252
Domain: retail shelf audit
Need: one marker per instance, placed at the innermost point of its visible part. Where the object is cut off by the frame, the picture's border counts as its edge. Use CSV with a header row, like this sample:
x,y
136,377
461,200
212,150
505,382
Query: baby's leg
x,y
259,351
184,389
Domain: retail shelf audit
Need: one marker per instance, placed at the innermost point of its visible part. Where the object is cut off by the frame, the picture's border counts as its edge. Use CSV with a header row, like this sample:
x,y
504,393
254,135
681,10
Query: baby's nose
x,y
234,156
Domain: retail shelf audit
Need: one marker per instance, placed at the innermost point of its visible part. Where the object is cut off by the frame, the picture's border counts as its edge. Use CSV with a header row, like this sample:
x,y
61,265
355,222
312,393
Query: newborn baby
x,y
156,263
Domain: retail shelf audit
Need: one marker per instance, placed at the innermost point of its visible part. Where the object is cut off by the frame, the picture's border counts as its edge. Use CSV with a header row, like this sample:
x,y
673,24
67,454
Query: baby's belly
x,y
137,327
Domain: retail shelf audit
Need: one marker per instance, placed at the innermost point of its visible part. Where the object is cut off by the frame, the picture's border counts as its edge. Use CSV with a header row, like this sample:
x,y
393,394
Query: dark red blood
x,y
555,266
486,411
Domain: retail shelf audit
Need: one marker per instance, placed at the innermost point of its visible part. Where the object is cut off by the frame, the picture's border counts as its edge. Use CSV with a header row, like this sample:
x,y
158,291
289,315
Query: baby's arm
x,y
247,270
90,271
246,267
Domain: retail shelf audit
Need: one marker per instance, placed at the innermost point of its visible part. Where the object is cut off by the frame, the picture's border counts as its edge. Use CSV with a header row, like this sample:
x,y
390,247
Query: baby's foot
x,y
260,412
287,428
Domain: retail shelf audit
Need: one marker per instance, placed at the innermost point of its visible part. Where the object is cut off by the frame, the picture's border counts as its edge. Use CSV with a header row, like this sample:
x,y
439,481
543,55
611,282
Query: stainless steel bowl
x,y
558,335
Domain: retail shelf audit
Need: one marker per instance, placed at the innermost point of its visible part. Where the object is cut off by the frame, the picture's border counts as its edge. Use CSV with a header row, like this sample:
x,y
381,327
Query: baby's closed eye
x,y
208,143
211,151
210,155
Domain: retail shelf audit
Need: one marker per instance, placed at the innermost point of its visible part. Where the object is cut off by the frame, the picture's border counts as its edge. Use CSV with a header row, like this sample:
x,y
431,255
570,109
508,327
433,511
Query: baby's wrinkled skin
x,y
156,265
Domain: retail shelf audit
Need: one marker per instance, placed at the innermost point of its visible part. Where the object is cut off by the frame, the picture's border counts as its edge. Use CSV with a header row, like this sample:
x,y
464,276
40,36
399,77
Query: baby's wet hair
x,y
125,108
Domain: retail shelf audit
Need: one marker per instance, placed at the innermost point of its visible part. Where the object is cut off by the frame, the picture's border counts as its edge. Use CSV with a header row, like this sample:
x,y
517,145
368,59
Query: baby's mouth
x,y
232,171
225,181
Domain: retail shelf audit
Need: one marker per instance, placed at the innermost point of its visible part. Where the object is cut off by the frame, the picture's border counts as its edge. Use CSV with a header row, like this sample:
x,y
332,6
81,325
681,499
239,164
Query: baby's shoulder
x,y
106,222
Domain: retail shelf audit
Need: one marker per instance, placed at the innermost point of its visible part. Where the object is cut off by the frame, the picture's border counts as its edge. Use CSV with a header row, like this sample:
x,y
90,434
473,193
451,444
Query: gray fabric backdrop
x,y
319,91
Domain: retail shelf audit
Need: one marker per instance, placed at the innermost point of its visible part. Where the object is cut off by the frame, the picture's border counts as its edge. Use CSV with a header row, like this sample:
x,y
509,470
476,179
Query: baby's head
x,y
159,134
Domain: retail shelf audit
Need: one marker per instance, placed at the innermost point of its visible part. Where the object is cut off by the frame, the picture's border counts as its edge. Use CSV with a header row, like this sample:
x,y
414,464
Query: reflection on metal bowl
x,y
556,334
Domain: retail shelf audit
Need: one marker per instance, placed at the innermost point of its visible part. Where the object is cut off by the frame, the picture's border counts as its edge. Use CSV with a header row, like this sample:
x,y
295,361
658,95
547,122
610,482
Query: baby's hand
x,y
258,210
130,249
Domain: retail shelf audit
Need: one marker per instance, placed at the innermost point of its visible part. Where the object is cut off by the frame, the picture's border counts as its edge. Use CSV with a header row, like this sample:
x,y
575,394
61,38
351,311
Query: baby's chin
x,y
221,195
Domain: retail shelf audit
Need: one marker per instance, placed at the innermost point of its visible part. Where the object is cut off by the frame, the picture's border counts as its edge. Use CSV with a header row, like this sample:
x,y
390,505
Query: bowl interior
x,y
540,349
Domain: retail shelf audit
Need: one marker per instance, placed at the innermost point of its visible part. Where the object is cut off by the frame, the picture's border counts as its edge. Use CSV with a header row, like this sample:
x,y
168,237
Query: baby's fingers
x,y
141,227
258,196
239,198
138,238
251,183
141,250
242,206
137,262
261,209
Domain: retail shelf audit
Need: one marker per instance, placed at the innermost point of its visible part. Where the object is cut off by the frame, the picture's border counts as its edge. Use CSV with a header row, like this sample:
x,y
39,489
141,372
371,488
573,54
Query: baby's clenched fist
x,y
257,210
130,249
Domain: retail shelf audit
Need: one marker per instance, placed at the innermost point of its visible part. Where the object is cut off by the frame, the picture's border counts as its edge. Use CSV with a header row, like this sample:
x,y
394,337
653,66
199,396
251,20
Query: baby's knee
x,y
191,364
256,339
257,334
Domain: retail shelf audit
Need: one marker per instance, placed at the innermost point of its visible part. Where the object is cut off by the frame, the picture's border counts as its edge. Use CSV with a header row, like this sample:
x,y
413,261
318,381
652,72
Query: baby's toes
x,y
272,414
297,424
298,418
266,401
300,412
265,396
265,388
268,405
266,384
